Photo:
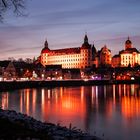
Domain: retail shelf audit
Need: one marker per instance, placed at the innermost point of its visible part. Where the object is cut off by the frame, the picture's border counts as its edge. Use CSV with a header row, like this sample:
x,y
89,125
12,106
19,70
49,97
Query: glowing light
x,y
82,93
49,94
34,99
1,79
114,93
60,78
132,89
130,107
93,93
27,100
132,78
5,101
21,102
42,76
85,80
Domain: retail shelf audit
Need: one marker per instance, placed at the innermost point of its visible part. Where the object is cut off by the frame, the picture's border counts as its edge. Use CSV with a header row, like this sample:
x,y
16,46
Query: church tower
x,y
128,44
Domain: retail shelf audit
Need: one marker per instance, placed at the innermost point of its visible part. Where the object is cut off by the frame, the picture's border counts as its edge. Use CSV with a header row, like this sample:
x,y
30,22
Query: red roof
x,y
64,51
45,50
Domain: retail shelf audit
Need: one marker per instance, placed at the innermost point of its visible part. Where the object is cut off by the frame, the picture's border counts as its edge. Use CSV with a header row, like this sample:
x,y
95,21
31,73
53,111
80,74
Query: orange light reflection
x,y
5,101
68,107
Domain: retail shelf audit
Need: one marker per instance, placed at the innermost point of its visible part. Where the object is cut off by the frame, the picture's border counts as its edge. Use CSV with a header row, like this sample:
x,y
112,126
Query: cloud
x,y
65,22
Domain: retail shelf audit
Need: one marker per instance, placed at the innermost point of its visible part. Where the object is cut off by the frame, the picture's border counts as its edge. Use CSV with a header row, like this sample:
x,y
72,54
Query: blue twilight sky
x,y
64,23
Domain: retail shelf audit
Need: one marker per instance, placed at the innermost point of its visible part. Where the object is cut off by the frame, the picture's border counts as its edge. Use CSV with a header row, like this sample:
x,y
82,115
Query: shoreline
x,y
12,85
20,126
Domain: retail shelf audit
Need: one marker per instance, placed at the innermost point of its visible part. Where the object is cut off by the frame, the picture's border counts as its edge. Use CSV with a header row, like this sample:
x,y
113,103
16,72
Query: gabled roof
x,y
10,67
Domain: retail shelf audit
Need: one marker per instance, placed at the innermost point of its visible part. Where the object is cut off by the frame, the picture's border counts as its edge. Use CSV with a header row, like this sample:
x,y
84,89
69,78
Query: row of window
x,y
70,64
67,60
66,56
75,64
71,67
129,62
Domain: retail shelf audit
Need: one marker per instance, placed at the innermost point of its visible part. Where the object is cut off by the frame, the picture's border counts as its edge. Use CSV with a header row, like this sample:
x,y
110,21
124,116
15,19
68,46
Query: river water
x,y
109,111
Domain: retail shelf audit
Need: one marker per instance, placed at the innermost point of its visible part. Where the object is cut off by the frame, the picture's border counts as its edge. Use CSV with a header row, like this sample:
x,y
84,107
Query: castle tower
x,y
86,39
128,44
46,44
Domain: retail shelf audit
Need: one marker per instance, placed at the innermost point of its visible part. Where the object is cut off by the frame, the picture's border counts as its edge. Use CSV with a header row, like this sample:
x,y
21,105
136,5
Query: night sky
x,y
64,23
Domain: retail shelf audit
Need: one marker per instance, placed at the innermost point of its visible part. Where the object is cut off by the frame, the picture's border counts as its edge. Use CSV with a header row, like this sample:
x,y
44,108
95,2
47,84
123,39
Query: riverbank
x,y
17,126
11,85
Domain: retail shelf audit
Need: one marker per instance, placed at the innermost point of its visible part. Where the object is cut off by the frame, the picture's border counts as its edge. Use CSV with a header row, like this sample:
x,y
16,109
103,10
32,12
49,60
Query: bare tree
x,y
16,6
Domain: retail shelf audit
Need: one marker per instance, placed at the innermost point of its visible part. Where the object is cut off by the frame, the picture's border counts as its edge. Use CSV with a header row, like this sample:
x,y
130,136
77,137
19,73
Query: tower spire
x,y
46,44
128,43
128,38
86,38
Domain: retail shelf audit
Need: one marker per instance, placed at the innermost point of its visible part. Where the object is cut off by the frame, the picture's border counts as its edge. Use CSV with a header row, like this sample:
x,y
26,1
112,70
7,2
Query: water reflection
x,y
90,108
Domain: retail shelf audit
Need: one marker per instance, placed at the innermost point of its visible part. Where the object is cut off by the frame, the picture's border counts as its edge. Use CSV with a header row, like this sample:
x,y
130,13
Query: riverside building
x,y
130,56
80,57
105,56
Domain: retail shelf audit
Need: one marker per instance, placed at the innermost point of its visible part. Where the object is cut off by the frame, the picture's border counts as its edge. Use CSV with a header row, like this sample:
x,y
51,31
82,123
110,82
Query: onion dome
x,y
128,41
46,48
128,44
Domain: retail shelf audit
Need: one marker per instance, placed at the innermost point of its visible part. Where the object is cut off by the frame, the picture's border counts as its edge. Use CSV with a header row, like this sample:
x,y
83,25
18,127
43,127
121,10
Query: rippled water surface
x,y
111,111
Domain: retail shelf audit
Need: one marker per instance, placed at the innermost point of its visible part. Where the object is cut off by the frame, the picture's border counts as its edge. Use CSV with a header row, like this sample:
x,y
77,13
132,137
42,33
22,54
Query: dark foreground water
x,y
112,110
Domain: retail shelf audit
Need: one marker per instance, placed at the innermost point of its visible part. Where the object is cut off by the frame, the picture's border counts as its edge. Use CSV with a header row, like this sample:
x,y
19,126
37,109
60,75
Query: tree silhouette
x,y
16,6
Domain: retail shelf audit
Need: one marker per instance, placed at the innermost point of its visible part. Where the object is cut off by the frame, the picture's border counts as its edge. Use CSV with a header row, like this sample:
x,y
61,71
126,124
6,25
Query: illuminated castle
x,y
80,57
130,56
